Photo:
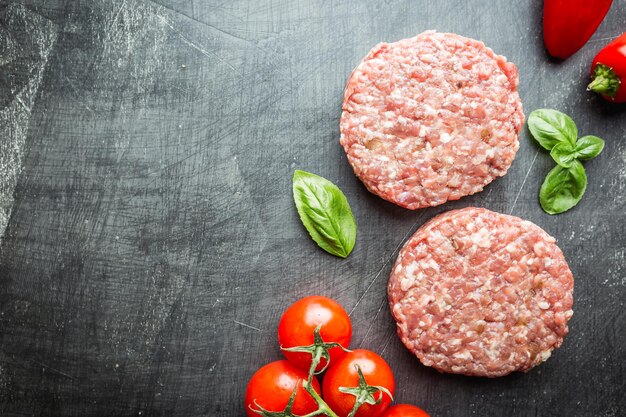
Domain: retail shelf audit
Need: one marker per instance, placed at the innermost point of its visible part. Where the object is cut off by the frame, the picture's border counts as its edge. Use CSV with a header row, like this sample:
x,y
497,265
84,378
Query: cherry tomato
x,y
405,410
272,385
299,321
343,373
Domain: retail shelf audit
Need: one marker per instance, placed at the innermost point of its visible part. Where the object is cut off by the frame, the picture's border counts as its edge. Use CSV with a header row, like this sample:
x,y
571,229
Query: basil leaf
x,y
563,154
563,188
588,147
325,212
550,127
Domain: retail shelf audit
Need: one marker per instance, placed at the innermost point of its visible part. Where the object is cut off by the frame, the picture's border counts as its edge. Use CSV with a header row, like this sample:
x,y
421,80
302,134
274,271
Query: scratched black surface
x,y
153,243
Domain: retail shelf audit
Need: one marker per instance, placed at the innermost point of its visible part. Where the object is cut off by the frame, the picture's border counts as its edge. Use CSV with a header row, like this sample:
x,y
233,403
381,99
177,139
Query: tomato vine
x,y
319,349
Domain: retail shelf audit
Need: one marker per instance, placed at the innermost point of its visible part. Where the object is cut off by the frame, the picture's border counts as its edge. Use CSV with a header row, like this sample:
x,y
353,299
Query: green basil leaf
x,y
563,154
563,188
588,147
550,127
325,212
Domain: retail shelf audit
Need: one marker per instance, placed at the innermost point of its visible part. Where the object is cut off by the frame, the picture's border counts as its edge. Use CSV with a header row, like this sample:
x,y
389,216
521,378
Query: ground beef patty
x,y
481,293
431,118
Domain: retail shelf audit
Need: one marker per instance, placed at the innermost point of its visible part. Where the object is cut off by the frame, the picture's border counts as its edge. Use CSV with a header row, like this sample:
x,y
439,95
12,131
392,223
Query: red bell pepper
x,y
568,24
608,71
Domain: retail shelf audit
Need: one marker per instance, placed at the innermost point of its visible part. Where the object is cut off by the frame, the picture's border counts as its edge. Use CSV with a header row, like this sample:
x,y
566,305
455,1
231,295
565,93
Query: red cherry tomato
x,y
405,410
272,385
343,373
299,321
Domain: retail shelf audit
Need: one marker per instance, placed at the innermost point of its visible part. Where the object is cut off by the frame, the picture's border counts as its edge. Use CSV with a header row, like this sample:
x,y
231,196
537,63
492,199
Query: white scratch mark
x,y
15,116
117,15
393,255
18,99
247,325
194,45
489,193
206,24
523,182
386,344
54,370
610,38
373,320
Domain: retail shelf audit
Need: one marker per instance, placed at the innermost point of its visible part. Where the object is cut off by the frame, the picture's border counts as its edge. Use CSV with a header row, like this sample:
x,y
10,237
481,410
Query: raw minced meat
x,y
481,293
431,118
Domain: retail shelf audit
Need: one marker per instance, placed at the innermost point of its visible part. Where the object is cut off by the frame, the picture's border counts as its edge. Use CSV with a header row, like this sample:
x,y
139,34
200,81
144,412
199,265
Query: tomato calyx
x,y
285,413
605,81
364,393
318,350
323,408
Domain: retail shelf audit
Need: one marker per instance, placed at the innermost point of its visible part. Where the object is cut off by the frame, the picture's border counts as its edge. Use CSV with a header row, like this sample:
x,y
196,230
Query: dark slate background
x,y
153,242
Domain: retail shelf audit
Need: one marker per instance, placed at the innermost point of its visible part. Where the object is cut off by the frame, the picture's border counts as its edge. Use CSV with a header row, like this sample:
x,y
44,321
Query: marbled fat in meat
x,y
431,118
481,293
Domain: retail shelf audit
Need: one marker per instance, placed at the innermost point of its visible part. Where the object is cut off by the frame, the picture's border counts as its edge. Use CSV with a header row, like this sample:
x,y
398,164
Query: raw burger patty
x,y
481,293
431,118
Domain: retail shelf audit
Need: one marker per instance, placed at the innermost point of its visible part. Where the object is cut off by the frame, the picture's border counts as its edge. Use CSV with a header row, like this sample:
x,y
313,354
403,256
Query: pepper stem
x,y
604,81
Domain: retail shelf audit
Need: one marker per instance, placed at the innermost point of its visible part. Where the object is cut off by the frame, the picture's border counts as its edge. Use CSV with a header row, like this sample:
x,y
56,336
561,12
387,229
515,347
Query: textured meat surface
x,y
481,293
431,118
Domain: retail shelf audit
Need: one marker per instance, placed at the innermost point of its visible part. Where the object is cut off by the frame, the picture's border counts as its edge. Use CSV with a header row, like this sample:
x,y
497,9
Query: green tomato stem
x,y
323,407
360,400
315,360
